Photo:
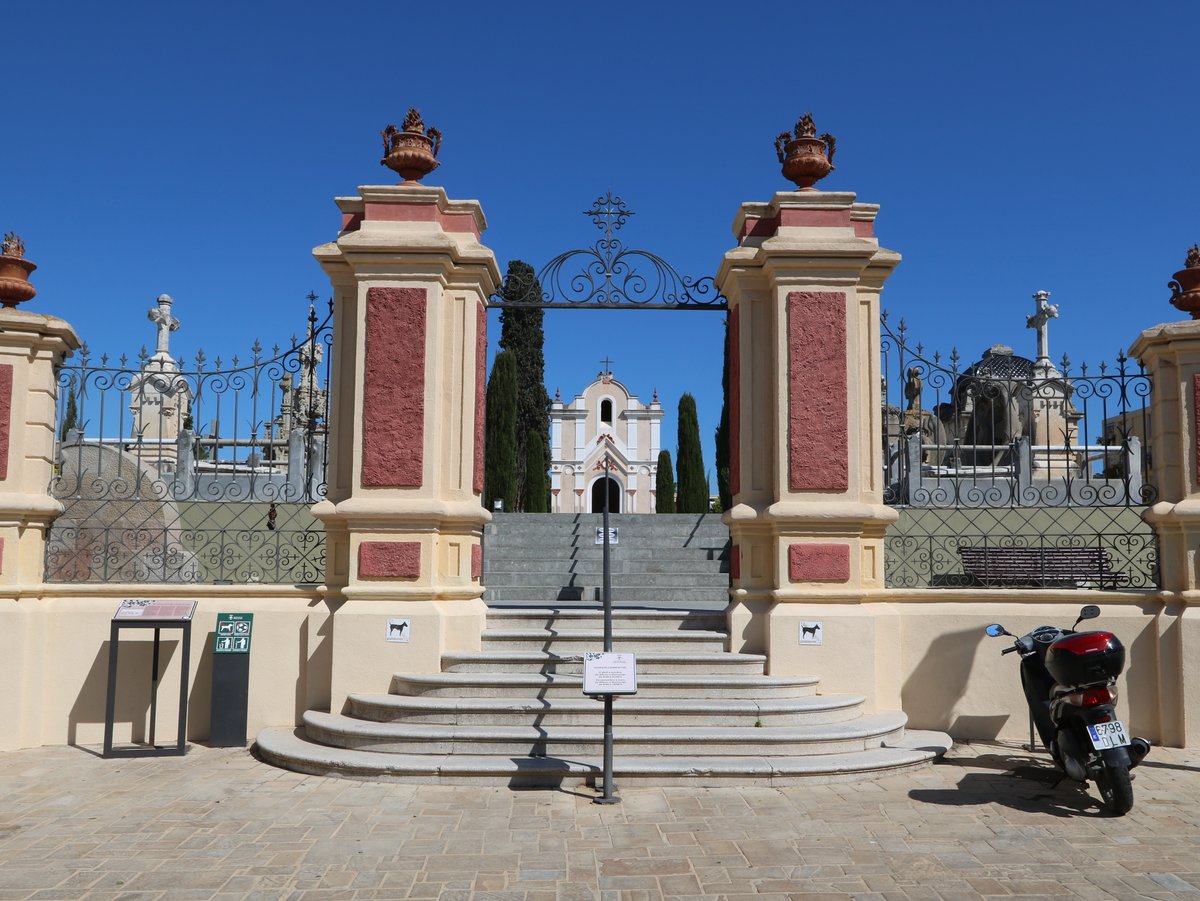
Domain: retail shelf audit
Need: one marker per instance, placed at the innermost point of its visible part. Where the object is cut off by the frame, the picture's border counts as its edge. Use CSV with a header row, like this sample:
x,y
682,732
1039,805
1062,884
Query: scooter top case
x,y
1085,658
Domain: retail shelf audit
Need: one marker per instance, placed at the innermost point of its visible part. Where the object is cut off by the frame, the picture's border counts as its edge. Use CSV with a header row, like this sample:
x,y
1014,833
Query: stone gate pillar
x,y
32,347
403,516
1171,355
808,519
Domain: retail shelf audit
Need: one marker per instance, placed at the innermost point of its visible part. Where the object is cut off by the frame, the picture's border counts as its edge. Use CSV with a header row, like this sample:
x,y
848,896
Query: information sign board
x,y
612,535
609,673
150,609
233,633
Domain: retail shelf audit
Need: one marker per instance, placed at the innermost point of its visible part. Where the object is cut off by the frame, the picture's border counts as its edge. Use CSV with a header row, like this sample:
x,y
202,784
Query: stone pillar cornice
x,y
28,329
416,194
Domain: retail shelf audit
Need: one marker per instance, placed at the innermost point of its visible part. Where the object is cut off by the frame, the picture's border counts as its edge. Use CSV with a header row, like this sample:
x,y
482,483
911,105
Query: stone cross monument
x,y
161,316
1040,320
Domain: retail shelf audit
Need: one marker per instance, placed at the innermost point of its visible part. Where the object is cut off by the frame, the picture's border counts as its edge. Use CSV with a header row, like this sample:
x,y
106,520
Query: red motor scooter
x,y
1070,683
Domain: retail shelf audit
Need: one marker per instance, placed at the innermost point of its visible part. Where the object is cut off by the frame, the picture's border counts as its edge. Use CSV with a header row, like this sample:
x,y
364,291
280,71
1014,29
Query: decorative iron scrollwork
x,y
610,275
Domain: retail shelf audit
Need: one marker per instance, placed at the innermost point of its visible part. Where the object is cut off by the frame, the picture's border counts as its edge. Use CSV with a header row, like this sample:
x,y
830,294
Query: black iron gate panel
x,y
1015,472
173,474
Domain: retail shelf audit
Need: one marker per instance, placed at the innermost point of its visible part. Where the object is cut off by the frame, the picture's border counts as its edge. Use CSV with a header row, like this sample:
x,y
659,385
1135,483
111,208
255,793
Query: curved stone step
x,y
505,685
653,662
813,709
580,640
284,747
858,734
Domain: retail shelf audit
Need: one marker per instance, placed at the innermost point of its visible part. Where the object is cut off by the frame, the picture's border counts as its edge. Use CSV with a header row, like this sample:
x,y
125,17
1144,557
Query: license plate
x,y
1108,735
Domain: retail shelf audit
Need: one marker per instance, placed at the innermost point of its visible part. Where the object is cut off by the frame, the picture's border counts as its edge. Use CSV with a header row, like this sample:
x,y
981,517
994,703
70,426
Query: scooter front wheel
x,y
1116,788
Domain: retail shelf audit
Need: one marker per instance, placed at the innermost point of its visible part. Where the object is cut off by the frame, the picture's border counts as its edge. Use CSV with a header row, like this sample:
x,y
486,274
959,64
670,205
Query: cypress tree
x,y
536,485
521,335
70,417
692,493
500,434
722,437
664,485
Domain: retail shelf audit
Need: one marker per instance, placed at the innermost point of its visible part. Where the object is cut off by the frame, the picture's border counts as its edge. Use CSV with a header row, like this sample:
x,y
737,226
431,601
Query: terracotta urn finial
x,y
1185,287
806,158
14,272
412,151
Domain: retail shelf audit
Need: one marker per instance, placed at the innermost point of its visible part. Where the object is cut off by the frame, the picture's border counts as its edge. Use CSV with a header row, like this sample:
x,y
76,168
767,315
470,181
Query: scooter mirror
x,y
1091,611
996,630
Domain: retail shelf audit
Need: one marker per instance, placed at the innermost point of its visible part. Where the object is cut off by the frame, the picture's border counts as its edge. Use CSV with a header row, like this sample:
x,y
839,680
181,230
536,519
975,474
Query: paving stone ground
x,y
990,821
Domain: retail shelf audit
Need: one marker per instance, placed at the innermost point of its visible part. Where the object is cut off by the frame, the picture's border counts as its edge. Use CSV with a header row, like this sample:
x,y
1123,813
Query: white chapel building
x,y
604,419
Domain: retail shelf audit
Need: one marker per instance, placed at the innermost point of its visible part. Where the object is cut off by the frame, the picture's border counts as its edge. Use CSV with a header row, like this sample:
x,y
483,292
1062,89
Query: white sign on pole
x,y
609,673
612,535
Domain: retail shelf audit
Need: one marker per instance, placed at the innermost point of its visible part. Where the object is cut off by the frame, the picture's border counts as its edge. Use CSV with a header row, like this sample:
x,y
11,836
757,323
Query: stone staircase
x,y
675,560
514,713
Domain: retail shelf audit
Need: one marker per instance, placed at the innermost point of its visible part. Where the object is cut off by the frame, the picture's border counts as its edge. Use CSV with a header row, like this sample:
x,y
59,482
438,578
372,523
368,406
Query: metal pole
x,y
608,797
154,686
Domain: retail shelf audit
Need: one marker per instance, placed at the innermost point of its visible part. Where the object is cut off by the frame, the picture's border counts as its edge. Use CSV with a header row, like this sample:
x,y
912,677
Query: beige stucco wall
x,y
56,662
925,651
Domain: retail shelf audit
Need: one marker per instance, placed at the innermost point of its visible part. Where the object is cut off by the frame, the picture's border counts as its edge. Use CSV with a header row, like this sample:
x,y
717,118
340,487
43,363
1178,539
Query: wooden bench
x,y
1040,565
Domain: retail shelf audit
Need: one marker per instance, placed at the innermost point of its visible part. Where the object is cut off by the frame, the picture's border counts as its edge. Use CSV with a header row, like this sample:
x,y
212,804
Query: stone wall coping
x,y
110,591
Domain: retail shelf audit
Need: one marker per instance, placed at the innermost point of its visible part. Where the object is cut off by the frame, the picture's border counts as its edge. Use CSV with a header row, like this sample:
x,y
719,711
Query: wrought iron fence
x,y
1013,472
188,475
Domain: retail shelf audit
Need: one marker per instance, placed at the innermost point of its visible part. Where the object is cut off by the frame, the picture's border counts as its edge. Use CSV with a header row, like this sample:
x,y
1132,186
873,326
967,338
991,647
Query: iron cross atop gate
x,y
609,213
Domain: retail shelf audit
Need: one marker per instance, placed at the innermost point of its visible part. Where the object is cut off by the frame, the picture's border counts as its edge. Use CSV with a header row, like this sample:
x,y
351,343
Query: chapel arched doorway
x,y
614,495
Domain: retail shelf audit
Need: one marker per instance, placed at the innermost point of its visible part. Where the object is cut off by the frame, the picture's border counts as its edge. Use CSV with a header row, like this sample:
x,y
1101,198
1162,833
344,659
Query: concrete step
x,y
289,749
698,686
620,581
563,641
864,732
592,617
649,597
648,663
632,711
656,564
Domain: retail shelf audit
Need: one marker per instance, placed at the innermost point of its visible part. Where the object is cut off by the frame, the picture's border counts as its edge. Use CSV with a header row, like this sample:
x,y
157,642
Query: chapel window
x,y
606,411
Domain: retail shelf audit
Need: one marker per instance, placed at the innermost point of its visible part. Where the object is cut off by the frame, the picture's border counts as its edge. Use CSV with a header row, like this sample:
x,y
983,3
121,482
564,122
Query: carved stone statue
x,y
1193,257
913,388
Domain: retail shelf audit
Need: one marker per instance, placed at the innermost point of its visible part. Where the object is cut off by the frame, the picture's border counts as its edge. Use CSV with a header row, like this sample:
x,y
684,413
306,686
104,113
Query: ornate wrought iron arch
x,y
609,276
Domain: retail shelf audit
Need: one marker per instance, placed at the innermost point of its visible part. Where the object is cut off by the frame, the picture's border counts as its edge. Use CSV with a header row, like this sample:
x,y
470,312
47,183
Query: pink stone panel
x,y
476,562
818,218
351,221
818,430
393,453
735,562
389,560
480,393
6,400
735,402
760,228
421,212
819,562
864,228
1195,422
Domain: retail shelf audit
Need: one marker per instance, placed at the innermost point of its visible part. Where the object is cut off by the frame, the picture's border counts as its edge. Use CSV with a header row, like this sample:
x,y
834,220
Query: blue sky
x,y
195,150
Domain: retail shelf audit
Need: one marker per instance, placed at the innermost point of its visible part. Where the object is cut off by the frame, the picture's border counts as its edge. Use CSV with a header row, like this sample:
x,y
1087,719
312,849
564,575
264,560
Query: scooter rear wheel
x,y
1116,788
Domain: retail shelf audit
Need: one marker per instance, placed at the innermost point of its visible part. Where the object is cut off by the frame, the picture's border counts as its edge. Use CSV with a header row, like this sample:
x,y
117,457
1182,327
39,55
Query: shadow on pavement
x,y
1018,782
